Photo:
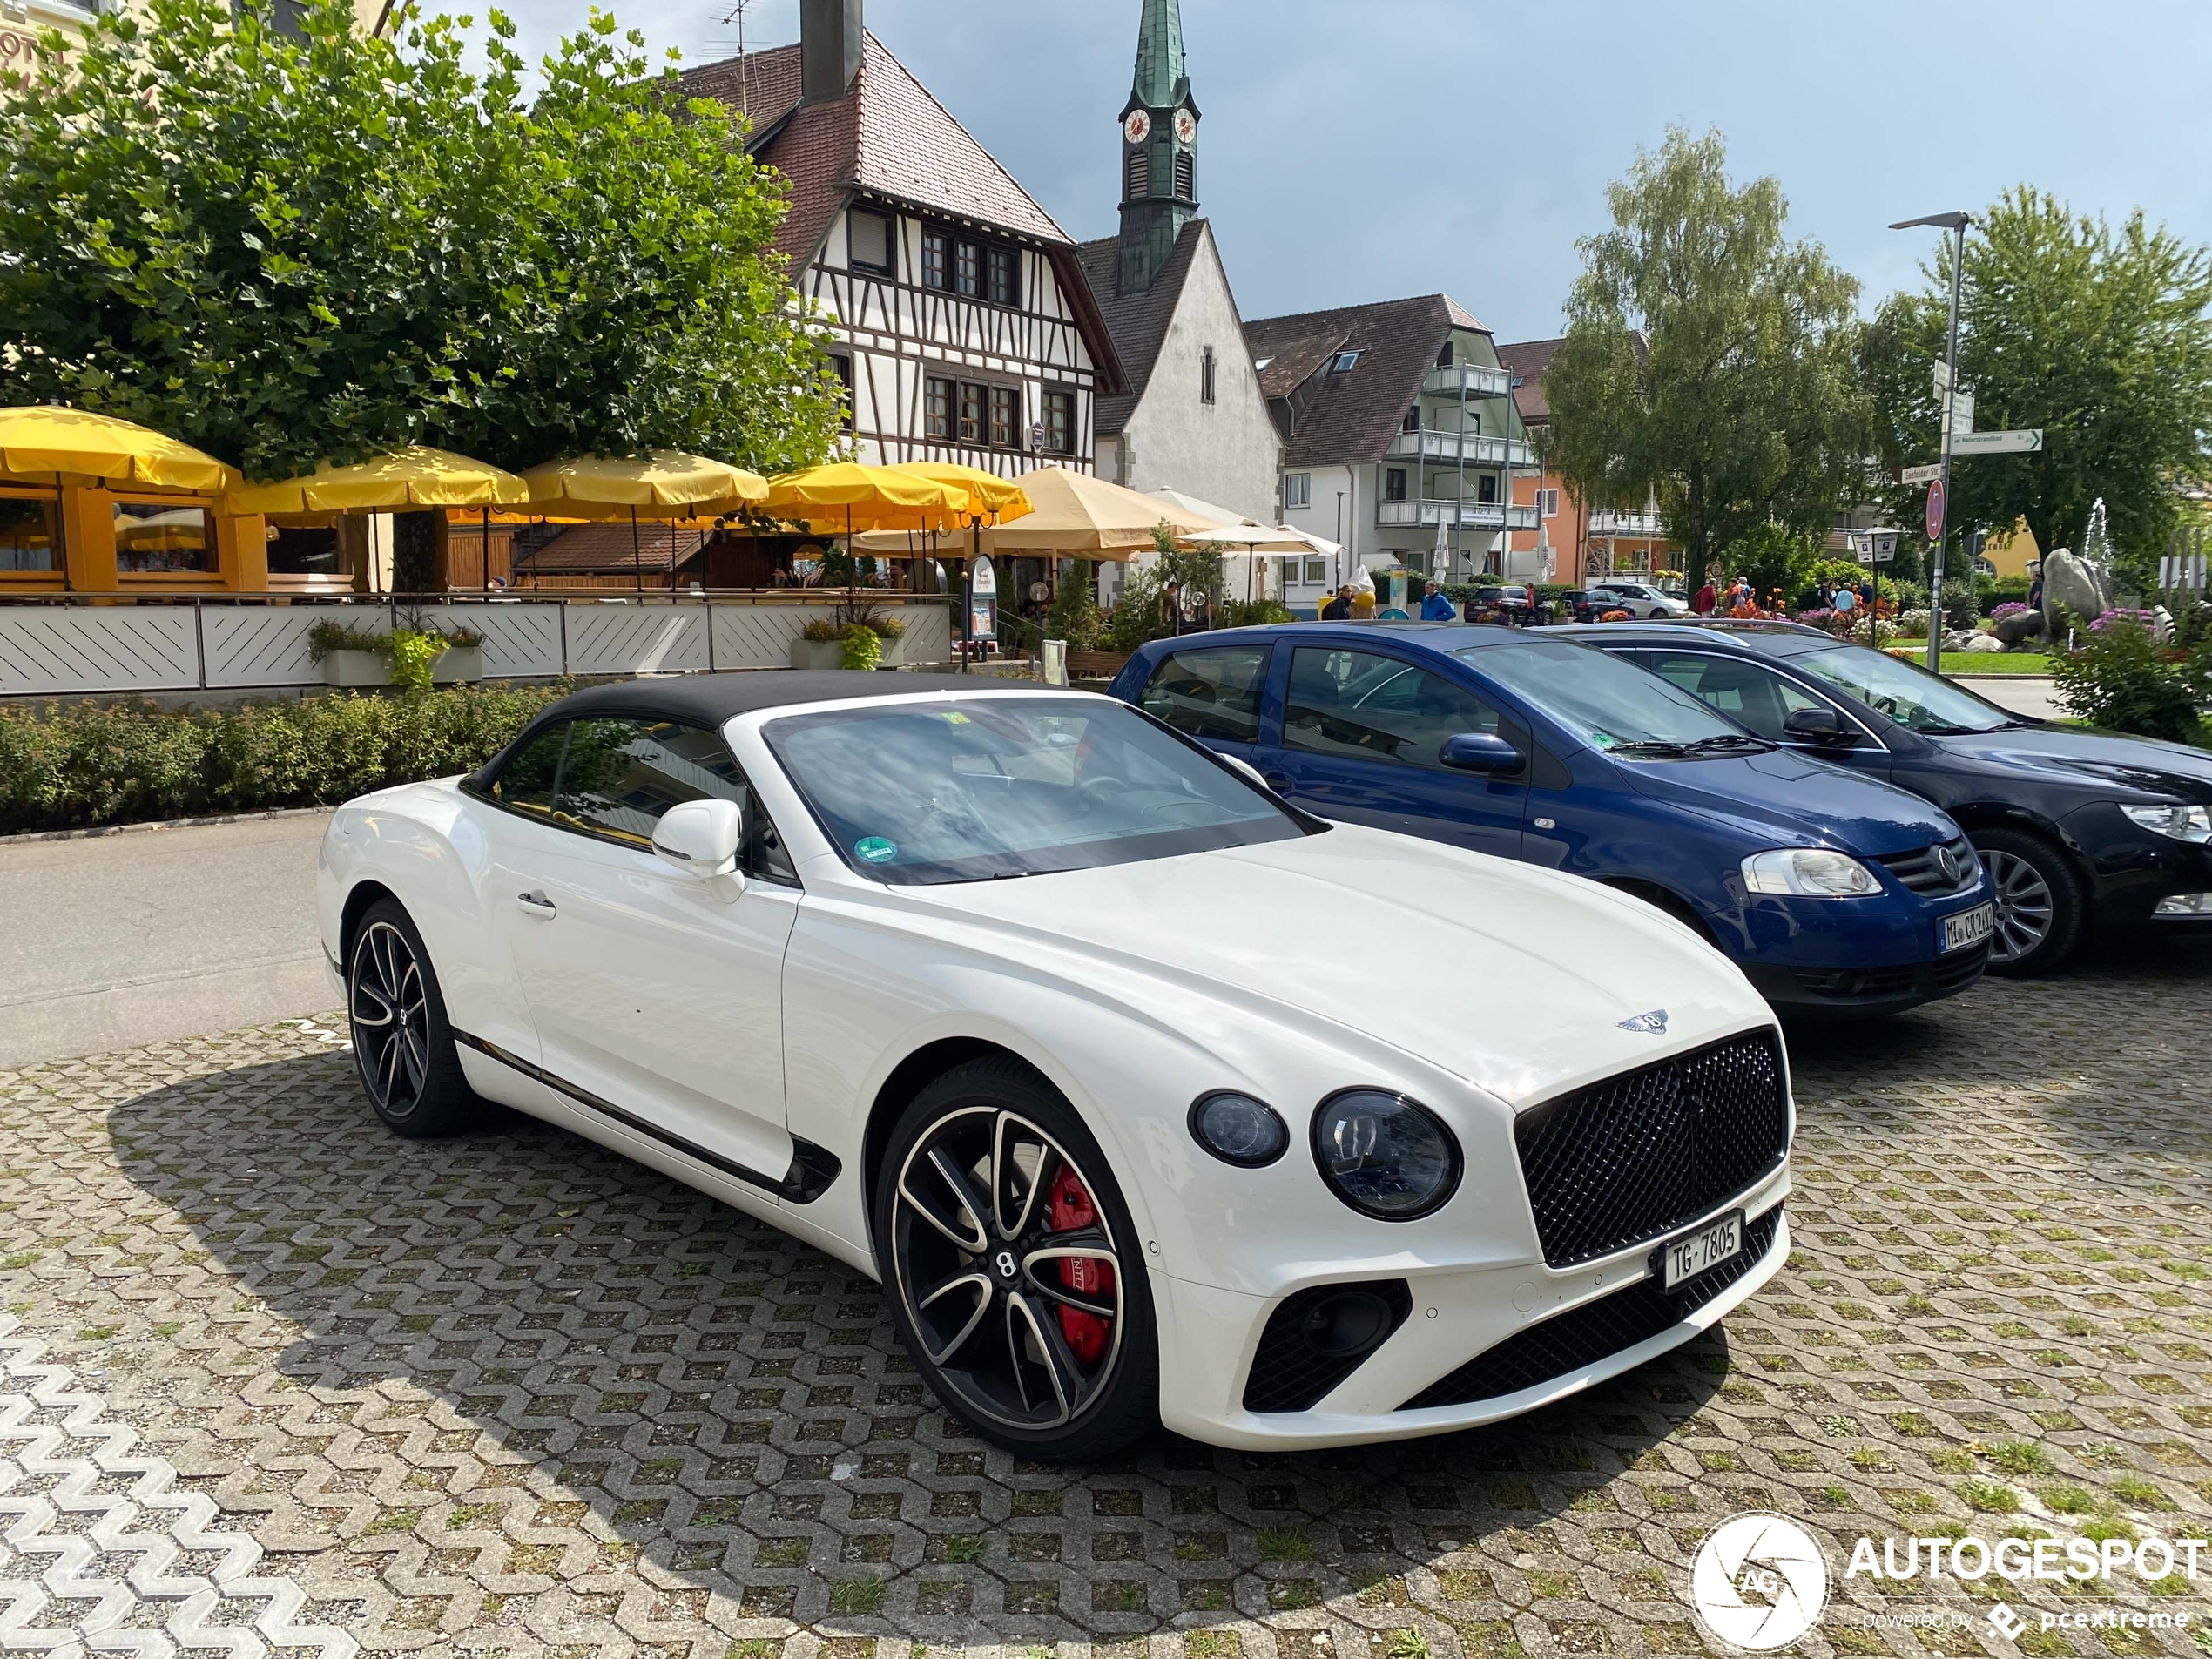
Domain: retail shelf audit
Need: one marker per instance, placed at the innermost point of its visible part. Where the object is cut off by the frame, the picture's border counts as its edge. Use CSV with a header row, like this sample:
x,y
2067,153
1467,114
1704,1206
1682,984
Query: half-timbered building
x,y
959,313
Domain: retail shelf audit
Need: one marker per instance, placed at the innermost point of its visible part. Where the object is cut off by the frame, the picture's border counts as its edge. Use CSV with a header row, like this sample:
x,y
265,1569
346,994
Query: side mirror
x,y
702,838
1243,769
1479,752
1815,725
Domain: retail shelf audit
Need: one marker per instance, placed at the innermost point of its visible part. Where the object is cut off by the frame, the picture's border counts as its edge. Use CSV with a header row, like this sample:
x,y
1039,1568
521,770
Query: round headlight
x,y
1383,1155
1238,1130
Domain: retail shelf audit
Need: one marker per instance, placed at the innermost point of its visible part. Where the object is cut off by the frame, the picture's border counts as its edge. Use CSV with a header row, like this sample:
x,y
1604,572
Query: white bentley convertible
x,y
1148,1098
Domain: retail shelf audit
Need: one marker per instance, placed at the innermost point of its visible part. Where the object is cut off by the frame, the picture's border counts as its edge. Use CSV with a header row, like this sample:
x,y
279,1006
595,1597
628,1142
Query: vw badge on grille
x,y
1947,861
1653,1024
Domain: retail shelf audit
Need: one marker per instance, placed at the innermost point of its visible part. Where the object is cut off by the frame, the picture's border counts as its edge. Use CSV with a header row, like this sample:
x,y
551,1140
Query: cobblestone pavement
x,y
279,1382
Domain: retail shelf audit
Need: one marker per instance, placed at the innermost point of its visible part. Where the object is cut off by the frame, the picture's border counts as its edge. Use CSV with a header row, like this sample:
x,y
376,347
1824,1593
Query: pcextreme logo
x,y
1758,1581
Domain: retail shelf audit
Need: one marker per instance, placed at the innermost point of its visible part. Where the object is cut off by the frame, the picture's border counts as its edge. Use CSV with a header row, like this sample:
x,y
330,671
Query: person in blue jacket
x,y
1435,607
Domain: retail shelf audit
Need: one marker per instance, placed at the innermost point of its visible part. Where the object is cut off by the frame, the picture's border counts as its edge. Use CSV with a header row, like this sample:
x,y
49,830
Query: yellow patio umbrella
x,y
52,447
665,483
989,495
416,477
862,497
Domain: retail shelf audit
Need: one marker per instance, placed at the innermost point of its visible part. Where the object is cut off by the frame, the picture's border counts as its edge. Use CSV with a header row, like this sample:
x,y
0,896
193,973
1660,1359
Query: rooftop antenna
x,y
736,15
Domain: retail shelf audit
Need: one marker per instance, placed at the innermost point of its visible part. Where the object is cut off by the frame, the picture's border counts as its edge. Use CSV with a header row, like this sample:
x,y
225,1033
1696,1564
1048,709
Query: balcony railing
x,y
1455,515
1447,448
1627,525
1477,381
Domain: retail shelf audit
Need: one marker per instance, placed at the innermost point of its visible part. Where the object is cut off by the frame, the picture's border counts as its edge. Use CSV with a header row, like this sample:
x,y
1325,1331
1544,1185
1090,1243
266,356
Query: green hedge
x,y
71,767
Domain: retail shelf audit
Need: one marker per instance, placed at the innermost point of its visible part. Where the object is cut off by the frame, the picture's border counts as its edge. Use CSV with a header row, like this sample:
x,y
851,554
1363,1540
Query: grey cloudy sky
x,y
1359,149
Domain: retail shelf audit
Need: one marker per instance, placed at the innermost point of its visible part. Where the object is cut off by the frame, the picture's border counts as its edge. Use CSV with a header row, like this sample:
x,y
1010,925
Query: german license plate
x,y
1969,927
1684,1258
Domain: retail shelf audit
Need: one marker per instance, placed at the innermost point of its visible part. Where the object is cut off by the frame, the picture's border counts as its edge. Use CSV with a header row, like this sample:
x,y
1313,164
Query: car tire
x,y
979,1320
2040,906
403,1049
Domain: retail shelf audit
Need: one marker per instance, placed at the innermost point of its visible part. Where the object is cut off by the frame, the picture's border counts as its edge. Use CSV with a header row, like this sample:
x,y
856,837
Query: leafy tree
x,y
1075,616
1707,360
1769,557
283,249
2101,337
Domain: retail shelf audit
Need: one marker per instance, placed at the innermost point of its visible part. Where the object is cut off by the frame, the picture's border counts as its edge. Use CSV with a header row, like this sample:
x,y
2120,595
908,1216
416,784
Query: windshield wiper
x,y
1654,747
1729,740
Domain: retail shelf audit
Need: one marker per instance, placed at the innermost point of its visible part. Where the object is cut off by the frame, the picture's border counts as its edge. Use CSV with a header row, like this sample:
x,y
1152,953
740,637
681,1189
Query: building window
x,y
940,410
936,261
1394,483
968,268
1345,360
1297,489
1317,571
1551,503
1486,489
1140,175
971,414
1005,418
1185,176
1205,375
1060,422
841,365
1444,357
159,538
1006,277
870,238
1412,421
29,533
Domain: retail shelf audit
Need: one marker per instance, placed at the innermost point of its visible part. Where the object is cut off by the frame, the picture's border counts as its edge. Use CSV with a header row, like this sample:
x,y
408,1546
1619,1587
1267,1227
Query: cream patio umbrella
x,y
1073,516
1260,538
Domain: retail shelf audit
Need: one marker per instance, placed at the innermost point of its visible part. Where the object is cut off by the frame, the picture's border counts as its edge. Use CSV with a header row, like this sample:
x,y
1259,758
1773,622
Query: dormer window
x,y
1412,421
869,241
1344,362
1444,357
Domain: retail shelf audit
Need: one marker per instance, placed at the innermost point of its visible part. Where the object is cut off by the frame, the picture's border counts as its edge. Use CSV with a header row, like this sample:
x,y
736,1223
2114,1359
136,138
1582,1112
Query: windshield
x,y
1608,703
1908,694
925,792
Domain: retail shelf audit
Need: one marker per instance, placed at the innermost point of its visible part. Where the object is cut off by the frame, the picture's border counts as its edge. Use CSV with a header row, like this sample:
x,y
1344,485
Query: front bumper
x,y
1208,1337
1867,990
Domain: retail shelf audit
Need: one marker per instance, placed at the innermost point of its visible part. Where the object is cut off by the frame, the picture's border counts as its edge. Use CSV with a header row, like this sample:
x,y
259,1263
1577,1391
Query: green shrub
x,y
1075,616
2119,677
75,766
1772,559
820,630
412,651
863,646
1239,613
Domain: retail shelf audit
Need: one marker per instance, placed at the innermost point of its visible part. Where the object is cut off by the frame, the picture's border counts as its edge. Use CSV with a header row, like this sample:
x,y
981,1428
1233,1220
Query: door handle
x,y
535,904
1277,781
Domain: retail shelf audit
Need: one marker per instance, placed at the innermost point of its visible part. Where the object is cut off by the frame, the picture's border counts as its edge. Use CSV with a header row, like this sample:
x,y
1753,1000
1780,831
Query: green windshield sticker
x,y
875,850
955,717
1603,739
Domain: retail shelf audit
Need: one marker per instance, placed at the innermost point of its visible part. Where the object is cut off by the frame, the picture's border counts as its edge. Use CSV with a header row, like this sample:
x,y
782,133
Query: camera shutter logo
x,y
1758,1581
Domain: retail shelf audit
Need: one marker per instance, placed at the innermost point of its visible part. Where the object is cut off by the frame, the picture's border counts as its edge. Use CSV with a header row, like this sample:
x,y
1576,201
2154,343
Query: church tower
x,y
1159,150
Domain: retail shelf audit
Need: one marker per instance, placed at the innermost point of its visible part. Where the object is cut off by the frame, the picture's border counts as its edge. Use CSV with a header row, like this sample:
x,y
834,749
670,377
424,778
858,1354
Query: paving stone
x,y
279,1380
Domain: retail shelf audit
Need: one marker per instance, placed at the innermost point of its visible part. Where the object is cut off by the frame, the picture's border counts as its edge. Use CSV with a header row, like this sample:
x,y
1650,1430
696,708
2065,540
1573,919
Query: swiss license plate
x,y
1969,927
1684,1258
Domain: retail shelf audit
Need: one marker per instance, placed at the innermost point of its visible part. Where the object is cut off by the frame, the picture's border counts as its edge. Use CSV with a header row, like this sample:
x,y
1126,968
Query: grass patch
x,y
856,1596
1989,1497
1974,661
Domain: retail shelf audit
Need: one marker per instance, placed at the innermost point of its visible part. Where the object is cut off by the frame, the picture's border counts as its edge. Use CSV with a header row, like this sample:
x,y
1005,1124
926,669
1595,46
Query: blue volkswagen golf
x,y
1833,892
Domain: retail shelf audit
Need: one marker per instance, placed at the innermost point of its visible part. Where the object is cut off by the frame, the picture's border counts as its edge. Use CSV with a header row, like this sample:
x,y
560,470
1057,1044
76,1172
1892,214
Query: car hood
x,y
2102,762
1784,799
1512,978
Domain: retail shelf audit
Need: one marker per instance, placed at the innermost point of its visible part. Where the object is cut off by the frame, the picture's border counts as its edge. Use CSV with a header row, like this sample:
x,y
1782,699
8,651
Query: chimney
x,y
829,49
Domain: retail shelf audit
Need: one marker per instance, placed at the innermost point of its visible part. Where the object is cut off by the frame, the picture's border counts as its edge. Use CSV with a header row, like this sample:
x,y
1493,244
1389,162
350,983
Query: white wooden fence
x,y
209,645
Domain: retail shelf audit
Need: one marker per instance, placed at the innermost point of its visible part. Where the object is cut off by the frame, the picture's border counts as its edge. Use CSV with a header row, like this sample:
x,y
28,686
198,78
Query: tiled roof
x,y
1138,322
1529,361
886,137
606,550
1353,415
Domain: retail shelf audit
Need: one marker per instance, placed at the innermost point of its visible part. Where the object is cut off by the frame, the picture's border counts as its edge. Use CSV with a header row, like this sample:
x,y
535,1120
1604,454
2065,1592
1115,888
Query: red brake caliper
x,y
1086,1334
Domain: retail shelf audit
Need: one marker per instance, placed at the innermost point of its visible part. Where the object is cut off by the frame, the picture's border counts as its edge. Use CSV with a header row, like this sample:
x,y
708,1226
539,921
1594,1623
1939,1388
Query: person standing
x,y
1338,609
1705,598
1436,606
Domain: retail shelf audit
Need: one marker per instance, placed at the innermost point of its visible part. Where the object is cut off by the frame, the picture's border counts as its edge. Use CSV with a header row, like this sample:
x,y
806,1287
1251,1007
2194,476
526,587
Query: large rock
x,y
2018,628
2075,584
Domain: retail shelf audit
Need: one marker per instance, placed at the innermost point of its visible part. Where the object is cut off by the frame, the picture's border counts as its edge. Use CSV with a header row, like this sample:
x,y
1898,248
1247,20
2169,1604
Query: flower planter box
x,y
456,663
355,668
817,653
894,651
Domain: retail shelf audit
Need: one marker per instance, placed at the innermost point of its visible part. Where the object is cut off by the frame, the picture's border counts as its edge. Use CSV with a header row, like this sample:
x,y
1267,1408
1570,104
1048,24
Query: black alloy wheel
x,y
2039,902
403,1046
1012,1267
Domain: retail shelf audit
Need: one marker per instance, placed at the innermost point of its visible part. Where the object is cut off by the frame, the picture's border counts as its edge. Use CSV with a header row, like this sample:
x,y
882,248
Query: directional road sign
x,y
1962,412
2020,441
1921,474
1935,511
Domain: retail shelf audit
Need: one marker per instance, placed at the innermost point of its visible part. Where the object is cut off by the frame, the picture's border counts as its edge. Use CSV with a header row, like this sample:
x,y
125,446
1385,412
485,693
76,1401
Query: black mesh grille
x,y
1289,1374
1961,969
1645,1153
1558,1347
1922,871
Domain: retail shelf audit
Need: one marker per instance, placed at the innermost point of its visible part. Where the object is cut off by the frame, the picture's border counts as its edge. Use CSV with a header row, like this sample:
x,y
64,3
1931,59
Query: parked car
x,y
1832,892
1511,604
1640,599
1103,1058
2079,830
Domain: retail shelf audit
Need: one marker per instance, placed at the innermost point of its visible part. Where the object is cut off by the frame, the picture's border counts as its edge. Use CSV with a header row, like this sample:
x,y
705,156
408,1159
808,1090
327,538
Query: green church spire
x,y
1159,149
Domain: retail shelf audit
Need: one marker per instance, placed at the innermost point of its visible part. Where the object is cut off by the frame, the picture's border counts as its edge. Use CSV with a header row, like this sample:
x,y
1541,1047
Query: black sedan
x,y
2078,829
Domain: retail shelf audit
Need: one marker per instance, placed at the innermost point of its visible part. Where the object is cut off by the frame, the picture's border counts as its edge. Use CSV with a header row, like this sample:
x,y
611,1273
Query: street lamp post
x,y
1956,224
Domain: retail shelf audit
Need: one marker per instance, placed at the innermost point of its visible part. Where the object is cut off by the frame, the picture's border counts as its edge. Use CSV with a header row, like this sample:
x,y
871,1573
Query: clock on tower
x,y
1159,150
